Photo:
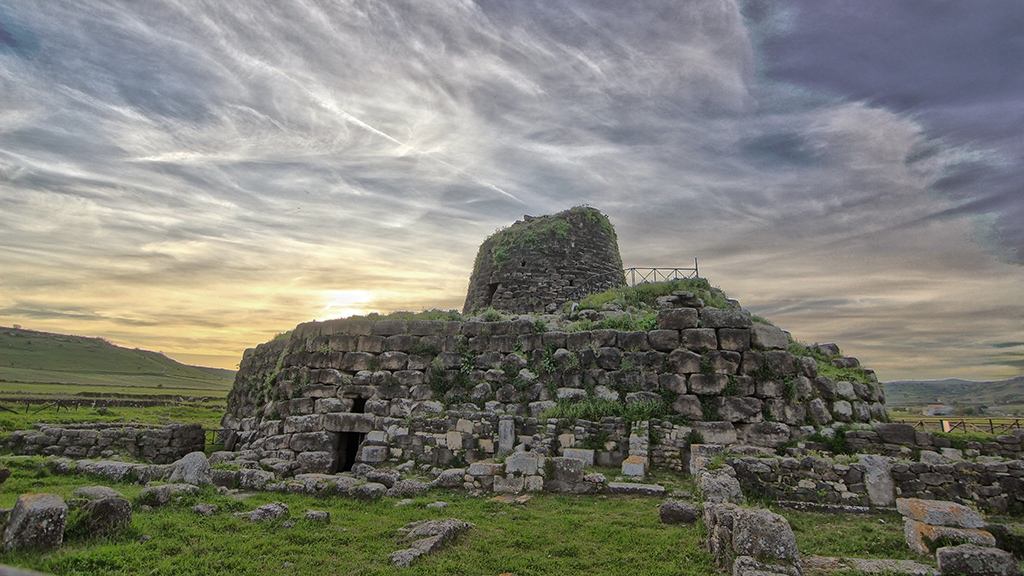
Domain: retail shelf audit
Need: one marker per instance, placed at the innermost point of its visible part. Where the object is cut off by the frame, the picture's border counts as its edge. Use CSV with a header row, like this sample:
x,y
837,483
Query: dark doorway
x,y
359,405
348,447
491,290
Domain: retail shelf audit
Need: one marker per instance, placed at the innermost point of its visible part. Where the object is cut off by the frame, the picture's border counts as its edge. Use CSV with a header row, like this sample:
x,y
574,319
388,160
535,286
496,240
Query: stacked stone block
x,y
404,379
157,444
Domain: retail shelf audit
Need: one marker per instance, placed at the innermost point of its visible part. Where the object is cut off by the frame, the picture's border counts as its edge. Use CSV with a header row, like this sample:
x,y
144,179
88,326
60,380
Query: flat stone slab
x,y
815,565
939,513
918,536
968,560
634,489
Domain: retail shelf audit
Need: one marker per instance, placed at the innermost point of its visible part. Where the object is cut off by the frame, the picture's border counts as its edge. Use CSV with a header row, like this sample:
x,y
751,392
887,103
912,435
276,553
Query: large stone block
x,y
677,318
923,538
970,560
768,434
522,463
708,384
104,517
724,318
732,409
194,468
716,432
902,434
36,521
939,513
684,362
348,422
765,337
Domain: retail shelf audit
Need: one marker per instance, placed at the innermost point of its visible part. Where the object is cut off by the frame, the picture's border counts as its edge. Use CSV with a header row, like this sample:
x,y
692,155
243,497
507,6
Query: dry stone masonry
x,y
539,263
148,443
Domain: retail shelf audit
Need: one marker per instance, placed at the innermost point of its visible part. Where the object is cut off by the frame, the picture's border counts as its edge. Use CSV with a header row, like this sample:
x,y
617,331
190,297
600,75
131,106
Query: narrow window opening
x,y
491,290
348,447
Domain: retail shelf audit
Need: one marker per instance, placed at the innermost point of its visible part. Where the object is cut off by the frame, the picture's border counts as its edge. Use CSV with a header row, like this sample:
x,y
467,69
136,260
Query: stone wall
x,y
900,440
538,264
156,444
989,482
360,390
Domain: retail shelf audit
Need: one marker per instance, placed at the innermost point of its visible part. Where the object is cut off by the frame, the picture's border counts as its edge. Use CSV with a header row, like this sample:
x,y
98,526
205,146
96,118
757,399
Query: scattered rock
x,y
36,521
403,488
452,478
939,513
970,560
96,492
162,494
103,517
318,516
271,511
205,509
369,491
678,512
427,537
193,468
438,505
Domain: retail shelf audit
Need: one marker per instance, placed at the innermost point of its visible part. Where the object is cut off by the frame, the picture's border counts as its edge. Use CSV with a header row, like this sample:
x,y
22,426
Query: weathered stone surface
x,y
764,337
636,489
36,521
716,432
678,512
406,488
205,509
892,433
452,478
750,542
768,434
254,479
877,478
734,409
162,494
104,517
369,491
321,516
939,513
522,463
96,492
427,537
677,318
970,560
271,511
718,488
920,537
348,422
724,318
193,468
587,456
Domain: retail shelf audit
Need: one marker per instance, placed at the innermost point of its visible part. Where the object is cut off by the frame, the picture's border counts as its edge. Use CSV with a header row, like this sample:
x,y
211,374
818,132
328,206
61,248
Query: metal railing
x,y
635,276
965,425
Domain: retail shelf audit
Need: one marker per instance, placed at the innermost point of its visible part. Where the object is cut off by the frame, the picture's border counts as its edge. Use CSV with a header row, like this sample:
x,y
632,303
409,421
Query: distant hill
x,y
955,392
48,363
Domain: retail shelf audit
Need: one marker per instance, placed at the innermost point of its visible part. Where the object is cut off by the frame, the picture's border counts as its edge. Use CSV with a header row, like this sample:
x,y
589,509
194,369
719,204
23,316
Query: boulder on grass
x,y
36,521
678,512
103,517
193,468
970,560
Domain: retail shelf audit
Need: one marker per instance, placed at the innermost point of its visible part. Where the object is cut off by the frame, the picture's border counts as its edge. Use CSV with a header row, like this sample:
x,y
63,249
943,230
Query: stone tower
x,y
542,262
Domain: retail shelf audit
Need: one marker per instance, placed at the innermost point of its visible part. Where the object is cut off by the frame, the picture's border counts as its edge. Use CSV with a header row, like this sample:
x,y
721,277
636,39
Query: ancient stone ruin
x,y
539,263
388,390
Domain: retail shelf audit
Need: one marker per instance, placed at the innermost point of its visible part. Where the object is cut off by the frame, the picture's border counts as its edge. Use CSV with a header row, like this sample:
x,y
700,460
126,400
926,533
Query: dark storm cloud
x,y
260,163
952,66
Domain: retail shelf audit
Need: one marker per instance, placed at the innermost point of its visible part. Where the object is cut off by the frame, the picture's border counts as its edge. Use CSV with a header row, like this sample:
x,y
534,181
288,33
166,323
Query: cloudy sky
x,y
194,177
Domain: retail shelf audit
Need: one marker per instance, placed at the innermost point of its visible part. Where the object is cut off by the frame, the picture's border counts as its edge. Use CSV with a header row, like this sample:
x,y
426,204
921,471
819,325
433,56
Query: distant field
x,y
41,363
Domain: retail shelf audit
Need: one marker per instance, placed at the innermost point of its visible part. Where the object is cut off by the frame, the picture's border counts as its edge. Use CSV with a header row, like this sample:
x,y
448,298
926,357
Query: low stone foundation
x,y
147,443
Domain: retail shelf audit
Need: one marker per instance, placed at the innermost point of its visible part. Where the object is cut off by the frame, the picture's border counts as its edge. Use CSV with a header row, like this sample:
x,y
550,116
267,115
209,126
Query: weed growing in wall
x,y
646,295
594,409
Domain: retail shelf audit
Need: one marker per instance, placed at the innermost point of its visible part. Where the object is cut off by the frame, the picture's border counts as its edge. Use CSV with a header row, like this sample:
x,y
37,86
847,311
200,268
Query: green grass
x,y
206,413
550,534
877,535
58,364
646,295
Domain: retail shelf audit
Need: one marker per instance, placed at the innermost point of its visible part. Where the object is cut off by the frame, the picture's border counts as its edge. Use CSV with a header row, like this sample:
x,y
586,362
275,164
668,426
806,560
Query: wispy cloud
x,y
197,177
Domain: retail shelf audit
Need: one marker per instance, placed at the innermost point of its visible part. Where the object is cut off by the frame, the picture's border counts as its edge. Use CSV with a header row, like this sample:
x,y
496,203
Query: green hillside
x,y
44,363
998,395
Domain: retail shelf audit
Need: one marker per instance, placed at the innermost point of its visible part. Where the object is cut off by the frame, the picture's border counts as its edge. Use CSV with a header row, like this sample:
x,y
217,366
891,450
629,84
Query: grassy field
x,y
42,363
550,534
206,413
